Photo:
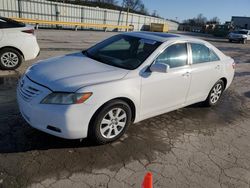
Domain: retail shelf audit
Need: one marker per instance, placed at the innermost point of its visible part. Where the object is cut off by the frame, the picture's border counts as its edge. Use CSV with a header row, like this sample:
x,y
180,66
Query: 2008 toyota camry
x,y
124,79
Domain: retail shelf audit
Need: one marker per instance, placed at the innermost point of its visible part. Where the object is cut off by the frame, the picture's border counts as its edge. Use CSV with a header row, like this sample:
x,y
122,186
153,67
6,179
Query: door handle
x,y
217,67
186,74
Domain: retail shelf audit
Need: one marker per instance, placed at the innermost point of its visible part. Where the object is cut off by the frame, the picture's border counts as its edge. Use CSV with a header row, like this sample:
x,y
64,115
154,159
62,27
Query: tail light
x,y
234,65
29,31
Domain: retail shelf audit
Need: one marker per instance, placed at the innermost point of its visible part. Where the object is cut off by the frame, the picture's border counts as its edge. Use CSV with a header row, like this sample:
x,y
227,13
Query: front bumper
x,y
65,121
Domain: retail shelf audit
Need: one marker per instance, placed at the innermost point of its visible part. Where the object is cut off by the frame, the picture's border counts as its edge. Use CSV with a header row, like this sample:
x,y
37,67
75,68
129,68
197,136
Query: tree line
x,y
201,20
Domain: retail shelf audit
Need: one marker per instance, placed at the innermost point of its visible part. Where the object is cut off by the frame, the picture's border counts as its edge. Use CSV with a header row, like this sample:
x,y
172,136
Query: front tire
x,y
10,59
110,122
215,94
244,41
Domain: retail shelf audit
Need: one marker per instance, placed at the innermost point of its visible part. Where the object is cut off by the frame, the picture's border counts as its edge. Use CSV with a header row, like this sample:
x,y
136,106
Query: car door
x,y
1,34
205,71
162,92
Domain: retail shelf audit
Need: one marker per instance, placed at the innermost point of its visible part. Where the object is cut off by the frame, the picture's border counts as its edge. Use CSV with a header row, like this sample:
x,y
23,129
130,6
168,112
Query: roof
x,y
157,36
241,17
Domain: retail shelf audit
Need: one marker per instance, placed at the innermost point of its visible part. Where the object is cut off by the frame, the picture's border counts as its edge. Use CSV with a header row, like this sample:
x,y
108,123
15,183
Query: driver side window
x,y
174,56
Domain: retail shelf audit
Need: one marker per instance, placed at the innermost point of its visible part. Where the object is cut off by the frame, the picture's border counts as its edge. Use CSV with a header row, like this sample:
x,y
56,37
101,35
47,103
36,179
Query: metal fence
x,y
54,11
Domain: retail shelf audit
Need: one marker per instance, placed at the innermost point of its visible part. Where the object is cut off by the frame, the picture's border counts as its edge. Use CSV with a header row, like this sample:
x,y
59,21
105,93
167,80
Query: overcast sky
x,y
184,9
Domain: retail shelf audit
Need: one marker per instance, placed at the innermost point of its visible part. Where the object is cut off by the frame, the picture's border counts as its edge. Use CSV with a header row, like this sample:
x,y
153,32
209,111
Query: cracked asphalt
x,y
189,147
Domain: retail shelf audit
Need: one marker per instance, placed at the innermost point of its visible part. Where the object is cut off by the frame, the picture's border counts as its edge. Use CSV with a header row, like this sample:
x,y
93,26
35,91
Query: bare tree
x,y
143,9
214,20
200,20
136,5
155,13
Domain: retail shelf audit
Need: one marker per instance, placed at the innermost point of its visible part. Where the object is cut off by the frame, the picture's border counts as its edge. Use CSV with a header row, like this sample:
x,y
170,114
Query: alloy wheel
x,y
113,123
216,93
9,59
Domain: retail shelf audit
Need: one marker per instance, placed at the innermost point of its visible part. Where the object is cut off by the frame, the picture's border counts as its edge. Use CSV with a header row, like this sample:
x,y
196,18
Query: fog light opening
x,y
52,128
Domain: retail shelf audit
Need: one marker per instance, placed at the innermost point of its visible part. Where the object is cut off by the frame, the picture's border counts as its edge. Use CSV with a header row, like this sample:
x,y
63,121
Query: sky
x,y
185,9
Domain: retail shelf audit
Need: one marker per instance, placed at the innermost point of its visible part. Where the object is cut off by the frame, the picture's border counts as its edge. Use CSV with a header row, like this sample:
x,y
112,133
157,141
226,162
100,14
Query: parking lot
x,y
191,147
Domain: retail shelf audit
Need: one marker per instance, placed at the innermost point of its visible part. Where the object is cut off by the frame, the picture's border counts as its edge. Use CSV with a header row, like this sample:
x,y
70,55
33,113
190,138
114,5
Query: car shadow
x,y
247,94
17,136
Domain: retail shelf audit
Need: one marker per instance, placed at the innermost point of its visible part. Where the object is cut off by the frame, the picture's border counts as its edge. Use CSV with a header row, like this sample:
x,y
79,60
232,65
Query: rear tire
x,y
230,40
215,94
10,59
110,122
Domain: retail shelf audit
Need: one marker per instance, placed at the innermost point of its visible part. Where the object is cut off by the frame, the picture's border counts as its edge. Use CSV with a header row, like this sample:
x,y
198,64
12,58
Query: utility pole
x,y
127,18
19,8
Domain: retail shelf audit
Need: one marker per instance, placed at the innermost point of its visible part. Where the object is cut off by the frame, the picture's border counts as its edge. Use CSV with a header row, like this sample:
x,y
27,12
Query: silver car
x,y
239,36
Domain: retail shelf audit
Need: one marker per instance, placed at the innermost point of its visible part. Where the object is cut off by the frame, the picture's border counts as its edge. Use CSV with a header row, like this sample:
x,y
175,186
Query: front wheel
x,y
215,94
111,122
244,41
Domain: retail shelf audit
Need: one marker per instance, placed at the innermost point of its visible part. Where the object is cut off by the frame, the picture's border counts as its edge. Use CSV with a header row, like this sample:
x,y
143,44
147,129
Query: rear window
x,y
9,23
202,54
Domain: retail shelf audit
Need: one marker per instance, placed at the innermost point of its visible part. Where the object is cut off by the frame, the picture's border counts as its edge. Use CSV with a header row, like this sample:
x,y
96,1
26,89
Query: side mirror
x,y
159,67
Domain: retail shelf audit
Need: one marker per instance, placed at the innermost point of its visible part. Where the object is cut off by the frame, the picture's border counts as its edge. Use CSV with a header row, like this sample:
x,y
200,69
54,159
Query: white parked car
x,y
17,44
125,79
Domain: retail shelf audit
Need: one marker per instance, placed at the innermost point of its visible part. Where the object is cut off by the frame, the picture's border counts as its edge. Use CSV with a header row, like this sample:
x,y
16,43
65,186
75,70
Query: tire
x,y
230,40
103,128
215,94
10,59
244,41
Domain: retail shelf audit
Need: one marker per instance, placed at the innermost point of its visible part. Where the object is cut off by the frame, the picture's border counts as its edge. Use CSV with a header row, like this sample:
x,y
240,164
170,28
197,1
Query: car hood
x,y
72,72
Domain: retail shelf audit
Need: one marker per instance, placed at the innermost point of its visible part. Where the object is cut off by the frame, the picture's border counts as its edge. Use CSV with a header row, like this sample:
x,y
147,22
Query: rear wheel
x,y
111,122
10,59
215,94
230,40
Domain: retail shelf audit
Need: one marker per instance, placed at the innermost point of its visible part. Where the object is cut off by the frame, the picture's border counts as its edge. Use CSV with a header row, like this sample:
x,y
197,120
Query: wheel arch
x,y
91,133
124,99
21,53
224,81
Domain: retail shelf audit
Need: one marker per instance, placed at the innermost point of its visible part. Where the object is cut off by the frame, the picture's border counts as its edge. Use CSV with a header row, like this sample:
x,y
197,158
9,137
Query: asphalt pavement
x,y
190,147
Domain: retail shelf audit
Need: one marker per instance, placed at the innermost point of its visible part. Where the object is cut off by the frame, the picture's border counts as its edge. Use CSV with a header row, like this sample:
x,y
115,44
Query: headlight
x,y
66,98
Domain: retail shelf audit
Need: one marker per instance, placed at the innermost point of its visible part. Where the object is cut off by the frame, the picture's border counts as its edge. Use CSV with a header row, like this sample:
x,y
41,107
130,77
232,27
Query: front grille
x,y
28,92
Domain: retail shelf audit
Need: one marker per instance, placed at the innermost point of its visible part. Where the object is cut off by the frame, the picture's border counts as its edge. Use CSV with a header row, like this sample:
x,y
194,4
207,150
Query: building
x,y
241,22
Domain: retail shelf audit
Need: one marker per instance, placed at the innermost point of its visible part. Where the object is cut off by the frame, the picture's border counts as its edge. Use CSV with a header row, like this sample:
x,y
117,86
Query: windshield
x,y
123,51
241,32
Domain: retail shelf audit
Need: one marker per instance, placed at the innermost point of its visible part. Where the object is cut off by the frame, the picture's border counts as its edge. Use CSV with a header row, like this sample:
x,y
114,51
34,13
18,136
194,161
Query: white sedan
x,y
17,44
125,79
